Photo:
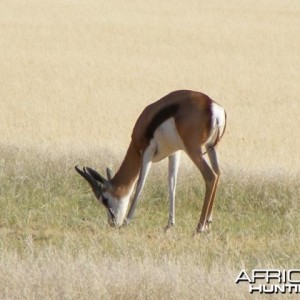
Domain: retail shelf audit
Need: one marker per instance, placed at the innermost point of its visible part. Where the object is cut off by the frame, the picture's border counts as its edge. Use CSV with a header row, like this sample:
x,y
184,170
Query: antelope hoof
x,y
201,228
170,225
208,226
125,222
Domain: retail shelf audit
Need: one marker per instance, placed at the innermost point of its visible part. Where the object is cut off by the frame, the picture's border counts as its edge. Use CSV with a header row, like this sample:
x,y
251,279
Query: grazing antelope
x,y
182,120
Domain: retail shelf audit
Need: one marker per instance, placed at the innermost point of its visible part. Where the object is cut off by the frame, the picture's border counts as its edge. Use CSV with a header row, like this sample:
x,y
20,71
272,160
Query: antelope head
x,y
102,190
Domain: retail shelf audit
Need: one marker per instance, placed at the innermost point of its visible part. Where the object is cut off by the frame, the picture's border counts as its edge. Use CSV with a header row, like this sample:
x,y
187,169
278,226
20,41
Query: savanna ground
x,y
74,76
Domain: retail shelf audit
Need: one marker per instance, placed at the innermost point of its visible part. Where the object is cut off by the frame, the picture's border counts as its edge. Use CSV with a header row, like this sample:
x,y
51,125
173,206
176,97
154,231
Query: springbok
x,y
182,120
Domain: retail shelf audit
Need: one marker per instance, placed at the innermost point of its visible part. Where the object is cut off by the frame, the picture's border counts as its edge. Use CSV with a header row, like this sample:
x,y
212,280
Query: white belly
x,y
167,140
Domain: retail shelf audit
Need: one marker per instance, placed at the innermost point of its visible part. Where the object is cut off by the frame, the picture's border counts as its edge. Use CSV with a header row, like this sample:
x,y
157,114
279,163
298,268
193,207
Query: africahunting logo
x,y
271,281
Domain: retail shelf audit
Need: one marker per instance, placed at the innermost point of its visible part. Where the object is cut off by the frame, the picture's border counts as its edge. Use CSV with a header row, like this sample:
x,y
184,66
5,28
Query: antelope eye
x,y
105,202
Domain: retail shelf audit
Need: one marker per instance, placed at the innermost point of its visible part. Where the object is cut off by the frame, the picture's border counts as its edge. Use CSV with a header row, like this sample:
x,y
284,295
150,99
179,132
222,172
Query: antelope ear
x,y
109,173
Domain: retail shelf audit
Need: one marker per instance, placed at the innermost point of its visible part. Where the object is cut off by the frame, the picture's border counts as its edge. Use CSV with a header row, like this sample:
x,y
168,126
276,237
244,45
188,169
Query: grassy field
x,y
74,76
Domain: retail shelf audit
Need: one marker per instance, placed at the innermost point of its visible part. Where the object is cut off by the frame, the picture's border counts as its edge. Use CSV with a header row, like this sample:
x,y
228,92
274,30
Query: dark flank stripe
x,y
160,117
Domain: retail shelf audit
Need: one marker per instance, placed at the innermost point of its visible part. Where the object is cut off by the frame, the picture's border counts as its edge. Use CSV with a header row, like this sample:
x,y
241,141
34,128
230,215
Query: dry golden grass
x,y
77,75
74,76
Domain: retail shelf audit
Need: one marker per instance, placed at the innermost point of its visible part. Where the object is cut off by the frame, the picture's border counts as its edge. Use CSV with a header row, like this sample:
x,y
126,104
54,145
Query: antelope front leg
x,y
146,165
174,161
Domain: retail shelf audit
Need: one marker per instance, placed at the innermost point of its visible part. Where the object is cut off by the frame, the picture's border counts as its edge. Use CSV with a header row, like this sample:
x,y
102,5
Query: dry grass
x,y
74,76
89,276
69,69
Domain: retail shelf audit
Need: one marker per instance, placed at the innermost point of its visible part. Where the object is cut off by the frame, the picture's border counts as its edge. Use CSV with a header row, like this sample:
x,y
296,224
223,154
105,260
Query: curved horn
x,y
96,175
91,180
